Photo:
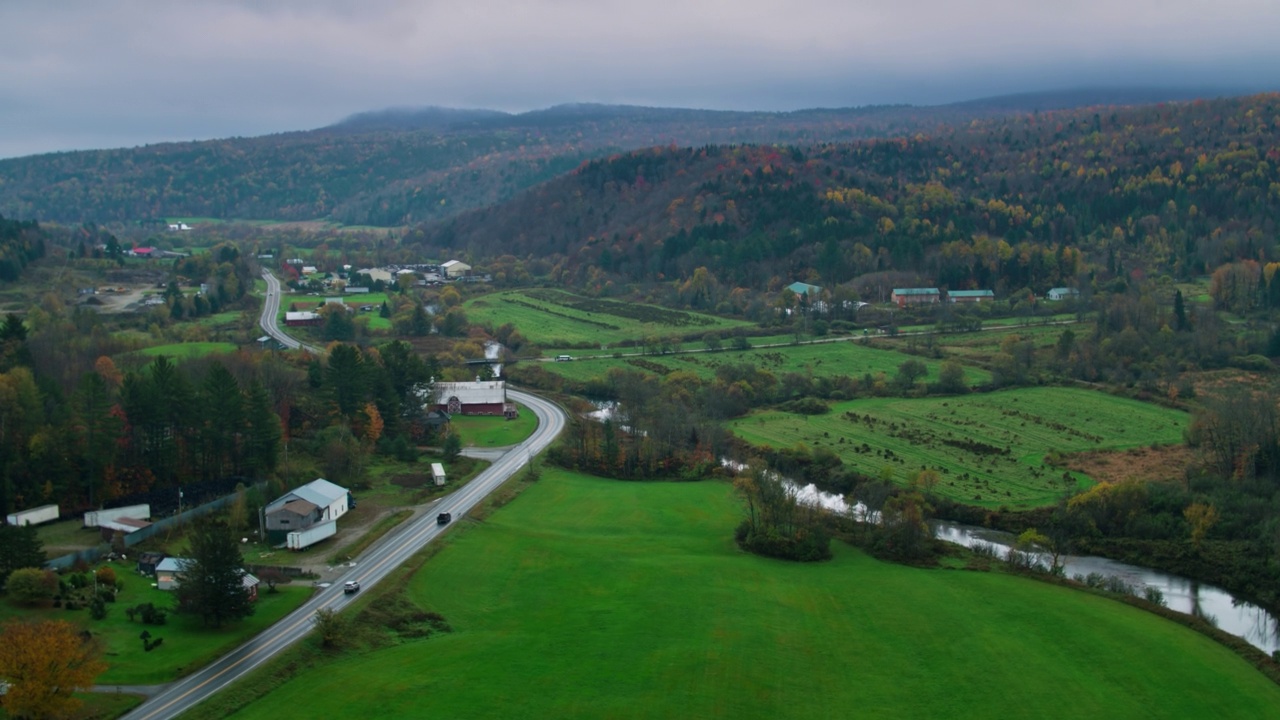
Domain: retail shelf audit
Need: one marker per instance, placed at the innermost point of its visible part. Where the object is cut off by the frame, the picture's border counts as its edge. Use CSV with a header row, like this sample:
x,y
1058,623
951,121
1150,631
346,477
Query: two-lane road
x,y
372,567
271,309
375,564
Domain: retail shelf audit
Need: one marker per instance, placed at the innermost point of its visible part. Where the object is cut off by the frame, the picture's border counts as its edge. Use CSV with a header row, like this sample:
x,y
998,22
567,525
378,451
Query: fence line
x,y
93,554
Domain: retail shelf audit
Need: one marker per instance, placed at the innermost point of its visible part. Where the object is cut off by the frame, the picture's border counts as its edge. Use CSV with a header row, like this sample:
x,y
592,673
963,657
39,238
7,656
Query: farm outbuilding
x,y
302,319
915,296
455,269
482,397
970,296
148,561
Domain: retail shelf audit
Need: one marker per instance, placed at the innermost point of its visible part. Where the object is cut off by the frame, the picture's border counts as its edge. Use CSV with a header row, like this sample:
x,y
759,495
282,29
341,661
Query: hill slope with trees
x,y
404,166
1006,203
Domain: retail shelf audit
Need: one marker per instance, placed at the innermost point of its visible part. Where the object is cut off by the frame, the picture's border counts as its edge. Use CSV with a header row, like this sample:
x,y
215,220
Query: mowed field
x,y
190,349
989,448
591,598
553,318
844,357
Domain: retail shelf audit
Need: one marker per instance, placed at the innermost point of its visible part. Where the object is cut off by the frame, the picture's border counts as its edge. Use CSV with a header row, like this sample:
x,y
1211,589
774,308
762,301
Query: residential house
x,y
316,502
169,571
1063,293
915,296
169,576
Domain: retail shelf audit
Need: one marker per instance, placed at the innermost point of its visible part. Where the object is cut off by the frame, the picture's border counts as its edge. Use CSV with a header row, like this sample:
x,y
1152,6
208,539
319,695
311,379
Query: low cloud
x,y
91,74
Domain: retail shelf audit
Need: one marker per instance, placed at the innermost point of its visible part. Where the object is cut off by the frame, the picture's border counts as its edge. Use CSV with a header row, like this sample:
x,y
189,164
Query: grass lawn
x,y
590,598
188,645
67,536
483,431
989,447
190,349
557,318
848,357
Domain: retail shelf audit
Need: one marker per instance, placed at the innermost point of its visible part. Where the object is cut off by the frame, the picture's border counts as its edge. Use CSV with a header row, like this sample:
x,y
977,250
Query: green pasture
x,y
188,644
590,598
982,345
488,431
989,448
845,357
185,350
553,317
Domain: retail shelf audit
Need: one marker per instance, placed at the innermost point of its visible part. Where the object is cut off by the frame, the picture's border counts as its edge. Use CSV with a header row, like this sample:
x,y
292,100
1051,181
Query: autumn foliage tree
x,y
44,663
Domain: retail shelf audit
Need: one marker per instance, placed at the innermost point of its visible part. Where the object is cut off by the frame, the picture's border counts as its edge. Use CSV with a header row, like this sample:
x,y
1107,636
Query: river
x,y
1240,618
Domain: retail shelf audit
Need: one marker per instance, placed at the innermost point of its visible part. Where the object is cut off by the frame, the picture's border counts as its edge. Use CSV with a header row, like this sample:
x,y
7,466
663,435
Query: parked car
x,y
443,518
352,586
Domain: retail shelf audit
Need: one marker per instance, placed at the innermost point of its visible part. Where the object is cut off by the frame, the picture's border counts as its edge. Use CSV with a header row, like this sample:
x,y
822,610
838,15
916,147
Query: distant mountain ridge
x,y
410,165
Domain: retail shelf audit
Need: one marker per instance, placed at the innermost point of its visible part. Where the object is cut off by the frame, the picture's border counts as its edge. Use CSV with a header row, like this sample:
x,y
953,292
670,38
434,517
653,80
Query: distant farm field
x,y
590,598
989,448
845,357
190,349
556,318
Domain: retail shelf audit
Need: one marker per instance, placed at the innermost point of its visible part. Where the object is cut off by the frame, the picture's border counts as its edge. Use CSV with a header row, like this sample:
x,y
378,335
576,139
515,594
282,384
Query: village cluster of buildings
x,y
903,297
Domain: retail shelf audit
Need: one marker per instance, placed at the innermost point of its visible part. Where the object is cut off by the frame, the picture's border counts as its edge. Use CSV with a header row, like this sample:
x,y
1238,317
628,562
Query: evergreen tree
x,y
1179,312
224,419
262,444
212,582
20,547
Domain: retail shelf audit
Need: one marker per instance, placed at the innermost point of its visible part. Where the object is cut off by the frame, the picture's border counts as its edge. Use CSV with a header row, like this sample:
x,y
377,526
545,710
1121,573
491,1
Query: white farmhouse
x,y
316,502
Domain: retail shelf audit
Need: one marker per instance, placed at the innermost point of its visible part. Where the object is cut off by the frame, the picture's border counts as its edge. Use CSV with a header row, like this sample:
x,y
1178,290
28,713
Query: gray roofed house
x,y
317,501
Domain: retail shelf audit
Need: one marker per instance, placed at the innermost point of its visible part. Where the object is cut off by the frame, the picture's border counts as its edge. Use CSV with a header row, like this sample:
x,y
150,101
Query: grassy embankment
x,y
553,318
989,448
593,598
188,645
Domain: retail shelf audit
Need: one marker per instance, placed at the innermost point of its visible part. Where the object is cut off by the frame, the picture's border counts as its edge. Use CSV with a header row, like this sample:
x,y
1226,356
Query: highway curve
x,y
375,564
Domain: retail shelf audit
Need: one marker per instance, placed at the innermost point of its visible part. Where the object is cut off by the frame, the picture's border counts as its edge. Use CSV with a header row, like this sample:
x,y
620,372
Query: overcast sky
x,y
92,73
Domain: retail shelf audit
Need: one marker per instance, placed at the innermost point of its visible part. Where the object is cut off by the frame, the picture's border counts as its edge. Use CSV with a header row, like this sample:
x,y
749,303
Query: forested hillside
x,y
1005,203
20,243
405,166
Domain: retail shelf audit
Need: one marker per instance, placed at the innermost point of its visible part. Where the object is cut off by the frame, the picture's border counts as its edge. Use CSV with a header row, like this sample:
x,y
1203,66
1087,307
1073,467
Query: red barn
x,y
482,397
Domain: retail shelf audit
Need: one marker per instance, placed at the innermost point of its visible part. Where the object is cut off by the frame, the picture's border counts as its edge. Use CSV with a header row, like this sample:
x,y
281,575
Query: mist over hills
x,y
412,165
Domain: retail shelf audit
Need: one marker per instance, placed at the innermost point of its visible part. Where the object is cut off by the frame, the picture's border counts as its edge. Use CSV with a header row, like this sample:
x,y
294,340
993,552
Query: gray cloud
x,y
82,73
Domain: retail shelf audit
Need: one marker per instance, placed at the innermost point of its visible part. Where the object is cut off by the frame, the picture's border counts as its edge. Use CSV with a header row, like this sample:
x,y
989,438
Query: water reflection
x,y
1220,607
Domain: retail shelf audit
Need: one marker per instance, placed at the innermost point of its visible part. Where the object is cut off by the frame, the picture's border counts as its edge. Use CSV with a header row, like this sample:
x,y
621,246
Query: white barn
x,y
455,268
